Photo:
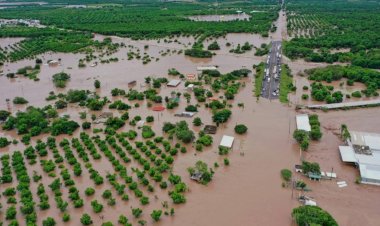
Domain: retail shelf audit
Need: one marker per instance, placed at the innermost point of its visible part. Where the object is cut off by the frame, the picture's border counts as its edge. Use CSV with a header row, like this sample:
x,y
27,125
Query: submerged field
x,y
83,142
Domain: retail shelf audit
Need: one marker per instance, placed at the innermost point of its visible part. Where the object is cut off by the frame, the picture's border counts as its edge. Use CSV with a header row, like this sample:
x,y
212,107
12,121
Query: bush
x,y
86,219
197,121
48,222
357,94
4,142
156,215
107,194
286,174
66,217
312,215
136,212
213,46
96,207
97,84
241,129
60,104
149,119
86,125
89,191
221,116
60,79
147,132
4,115
191,108
20,100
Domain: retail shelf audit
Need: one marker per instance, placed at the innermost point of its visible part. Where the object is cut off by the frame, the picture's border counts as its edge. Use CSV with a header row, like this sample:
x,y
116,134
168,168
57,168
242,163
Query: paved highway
x,y
271,79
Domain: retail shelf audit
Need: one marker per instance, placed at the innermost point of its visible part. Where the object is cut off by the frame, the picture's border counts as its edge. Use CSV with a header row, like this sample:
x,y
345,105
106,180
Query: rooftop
x,y
303,122
174,83
364,151
227,141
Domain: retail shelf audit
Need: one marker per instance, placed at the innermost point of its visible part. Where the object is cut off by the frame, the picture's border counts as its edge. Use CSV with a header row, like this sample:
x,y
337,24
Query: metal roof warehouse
x,y
363,149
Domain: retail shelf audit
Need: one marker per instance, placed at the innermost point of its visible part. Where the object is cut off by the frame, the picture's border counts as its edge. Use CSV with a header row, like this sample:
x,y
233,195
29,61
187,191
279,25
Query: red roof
x,y
158,108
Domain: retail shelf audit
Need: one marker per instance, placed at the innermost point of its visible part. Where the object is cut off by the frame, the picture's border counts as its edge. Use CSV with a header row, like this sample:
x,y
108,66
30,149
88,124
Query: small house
x,y
174,83
197,176
190,87
298,168
314,176
185,114
227,141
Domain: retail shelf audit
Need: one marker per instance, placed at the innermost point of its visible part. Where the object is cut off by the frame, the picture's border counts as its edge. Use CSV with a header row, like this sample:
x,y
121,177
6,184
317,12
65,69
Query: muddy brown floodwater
x,y
249,191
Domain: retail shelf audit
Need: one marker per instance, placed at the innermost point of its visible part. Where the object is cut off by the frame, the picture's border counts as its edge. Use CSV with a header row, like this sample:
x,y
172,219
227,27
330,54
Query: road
x,y
271,79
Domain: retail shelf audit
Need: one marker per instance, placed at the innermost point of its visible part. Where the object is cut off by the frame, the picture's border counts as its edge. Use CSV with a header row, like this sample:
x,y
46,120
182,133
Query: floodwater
x,y
220,18
249,191
7,42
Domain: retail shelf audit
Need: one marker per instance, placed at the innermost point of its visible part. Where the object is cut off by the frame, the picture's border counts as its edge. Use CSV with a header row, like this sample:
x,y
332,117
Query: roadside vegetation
x,y
286,83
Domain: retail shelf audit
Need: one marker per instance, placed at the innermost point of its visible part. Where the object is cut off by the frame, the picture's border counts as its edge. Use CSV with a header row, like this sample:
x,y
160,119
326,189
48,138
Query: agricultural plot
x,y
152,21
321,30
307,26
122,164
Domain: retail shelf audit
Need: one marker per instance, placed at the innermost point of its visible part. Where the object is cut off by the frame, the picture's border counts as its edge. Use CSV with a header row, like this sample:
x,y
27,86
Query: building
x,y
303,122
191,77
363,150
174,83
185,114
206,68
227,141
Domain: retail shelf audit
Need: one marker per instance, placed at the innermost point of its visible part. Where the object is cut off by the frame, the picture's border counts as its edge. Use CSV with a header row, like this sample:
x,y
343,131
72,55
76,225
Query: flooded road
x,y
249,191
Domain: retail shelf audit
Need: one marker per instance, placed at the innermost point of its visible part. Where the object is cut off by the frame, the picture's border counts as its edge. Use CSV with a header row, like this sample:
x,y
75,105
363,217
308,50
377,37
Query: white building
x,y
174,83
303,122
363,150
227,141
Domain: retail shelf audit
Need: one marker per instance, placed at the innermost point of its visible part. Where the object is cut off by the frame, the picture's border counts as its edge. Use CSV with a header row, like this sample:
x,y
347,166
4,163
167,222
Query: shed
x,y
197,176
190,87
132,83
204,68
298,168
174,83
186,114
210,129
303,122
314,176
227,141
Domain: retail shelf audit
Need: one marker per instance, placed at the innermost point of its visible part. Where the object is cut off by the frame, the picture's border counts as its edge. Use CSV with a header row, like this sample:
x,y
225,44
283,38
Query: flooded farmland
x,y
220,18
248,191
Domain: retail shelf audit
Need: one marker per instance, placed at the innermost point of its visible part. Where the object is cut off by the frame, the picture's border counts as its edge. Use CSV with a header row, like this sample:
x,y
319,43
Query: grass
x,y
286,83
259,79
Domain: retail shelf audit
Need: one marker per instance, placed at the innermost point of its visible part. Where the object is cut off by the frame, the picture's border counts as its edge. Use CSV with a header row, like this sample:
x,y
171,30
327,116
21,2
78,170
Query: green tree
x,y
312,215
97,84
156,215
197,121
86,219
241,129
